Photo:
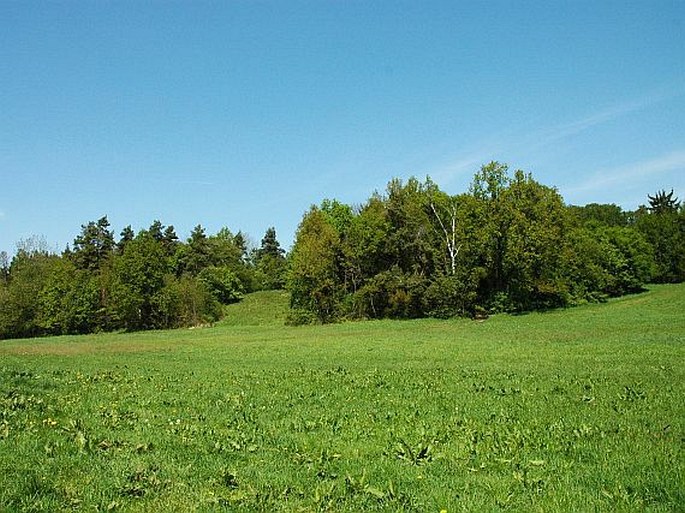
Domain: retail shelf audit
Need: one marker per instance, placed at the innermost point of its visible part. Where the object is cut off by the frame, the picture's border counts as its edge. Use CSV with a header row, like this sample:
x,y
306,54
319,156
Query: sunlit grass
x,y
574,410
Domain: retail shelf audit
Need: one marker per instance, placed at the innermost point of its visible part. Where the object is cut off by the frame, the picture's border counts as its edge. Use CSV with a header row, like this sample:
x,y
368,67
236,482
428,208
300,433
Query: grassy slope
x,y
574,410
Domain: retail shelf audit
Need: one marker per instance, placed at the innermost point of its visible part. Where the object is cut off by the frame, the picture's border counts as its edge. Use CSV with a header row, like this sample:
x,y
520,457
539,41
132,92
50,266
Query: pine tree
x,y
663,202
126,236
270,262
93,245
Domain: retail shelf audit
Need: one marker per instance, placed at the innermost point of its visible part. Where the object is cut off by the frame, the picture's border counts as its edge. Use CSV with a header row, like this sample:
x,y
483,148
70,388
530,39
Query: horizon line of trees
x,y
140,281
509,244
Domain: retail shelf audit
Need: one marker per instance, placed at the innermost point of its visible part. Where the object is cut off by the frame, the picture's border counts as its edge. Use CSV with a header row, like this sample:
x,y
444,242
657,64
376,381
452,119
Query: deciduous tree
x,y
313,282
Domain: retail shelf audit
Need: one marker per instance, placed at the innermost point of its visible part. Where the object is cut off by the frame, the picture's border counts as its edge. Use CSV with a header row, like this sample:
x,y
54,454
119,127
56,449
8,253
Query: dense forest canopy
x,y
147,280
508,244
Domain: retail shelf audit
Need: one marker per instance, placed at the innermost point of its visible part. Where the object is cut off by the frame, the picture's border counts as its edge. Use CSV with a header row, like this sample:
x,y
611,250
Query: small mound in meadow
x,y
265,308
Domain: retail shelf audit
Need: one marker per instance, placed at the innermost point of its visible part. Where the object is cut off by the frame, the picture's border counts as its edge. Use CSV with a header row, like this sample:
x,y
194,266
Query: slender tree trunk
x,y
450,237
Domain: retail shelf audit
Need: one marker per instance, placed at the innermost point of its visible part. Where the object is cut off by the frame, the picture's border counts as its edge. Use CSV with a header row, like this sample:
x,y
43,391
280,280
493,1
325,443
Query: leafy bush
x,y
391,294
301,317
222,283
187,302
448,296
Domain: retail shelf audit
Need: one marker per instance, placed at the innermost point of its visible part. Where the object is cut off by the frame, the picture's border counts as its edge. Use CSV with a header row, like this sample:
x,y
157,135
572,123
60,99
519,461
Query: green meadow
x,y
571,410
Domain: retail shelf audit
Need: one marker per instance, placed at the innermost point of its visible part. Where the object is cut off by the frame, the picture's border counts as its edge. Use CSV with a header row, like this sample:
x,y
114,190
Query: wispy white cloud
x,y
498,144
467,164
562,131
508,144
631,172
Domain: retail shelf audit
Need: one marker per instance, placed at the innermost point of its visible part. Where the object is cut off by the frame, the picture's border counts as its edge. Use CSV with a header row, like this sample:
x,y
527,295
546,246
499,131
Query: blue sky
x,y
244,113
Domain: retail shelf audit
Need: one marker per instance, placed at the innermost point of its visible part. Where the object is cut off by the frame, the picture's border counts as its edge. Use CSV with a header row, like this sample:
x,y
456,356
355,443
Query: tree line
x,y
509,244
144,280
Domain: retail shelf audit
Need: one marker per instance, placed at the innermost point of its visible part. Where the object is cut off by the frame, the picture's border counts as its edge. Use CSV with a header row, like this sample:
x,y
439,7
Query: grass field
x,y
574,410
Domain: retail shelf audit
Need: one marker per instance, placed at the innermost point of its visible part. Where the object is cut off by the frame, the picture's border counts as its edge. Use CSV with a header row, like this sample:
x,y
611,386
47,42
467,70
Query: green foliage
x,y
412,243
270,272
139,276
126,236
627,259
20,312
489,182
392,294
585,265
339,214
270,263
222,283
609,215
195,255
145,294
665,231
313,280
270,245
186,301
148,280
663,203
365,244
70,300
4,268
533,229
225,249
450,296
510,244
94,245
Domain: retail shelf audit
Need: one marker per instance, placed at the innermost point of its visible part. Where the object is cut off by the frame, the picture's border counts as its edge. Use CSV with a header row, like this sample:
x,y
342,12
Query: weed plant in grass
x,y
575,410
